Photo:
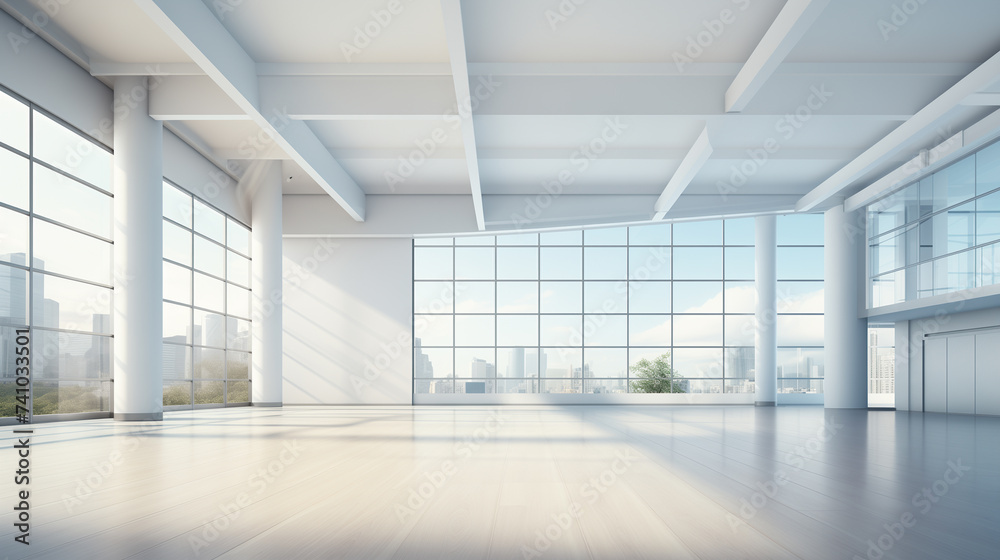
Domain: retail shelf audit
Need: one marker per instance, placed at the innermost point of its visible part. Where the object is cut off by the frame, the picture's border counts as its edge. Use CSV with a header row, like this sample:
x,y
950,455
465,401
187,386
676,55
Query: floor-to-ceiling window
x,y
576,311
206,304
56,251
800,303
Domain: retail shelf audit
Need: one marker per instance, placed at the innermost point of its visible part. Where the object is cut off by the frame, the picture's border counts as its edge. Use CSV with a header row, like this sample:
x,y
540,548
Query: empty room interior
x,y
521,279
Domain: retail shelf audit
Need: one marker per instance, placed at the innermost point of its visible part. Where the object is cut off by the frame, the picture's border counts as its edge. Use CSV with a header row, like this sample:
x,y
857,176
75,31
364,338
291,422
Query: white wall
x,y
347,321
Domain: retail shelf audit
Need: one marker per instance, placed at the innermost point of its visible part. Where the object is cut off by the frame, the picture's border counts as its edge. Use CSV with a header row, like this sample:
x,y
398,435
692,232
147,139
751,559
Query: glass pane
x,y
60,250
434,363
433,297
605,263
433,330
237,236
740,231
237,365
177,393
64,304
518,239
649,330
237,391
605,297
237,301
800,297
800,362
655,234
176,283
698,263
697,297
14,123
698,362
698,233
74,204
473,386
60,355
432,263
209,222
209,329
517,386
561,330
649,297
14,187
562,237
605,330
176,243
741,297
177,205
800,385
176,323
955,184
603,386
517,330
800,263
800,229
800,330
209,363
517,297
474,263
474,297
560,385
561,363
649,263
697,330
237,334
433,241
209,293
237,269
62,148
605,362
562,297
635,355
516,363
987,168
69,397
474,330
988,218
13,237
606,236
562,263
739,263
13,297
209,392
209,257
480,240
520,263
740,330
477,363
176,362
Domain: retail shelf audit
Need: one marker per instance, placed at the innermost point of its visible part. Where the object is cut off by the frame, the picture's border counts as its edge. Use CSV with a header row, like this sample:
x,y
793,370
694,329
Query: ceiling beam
x,y
934,114
692,163
104,68
196,30
791,25
983,99
455,35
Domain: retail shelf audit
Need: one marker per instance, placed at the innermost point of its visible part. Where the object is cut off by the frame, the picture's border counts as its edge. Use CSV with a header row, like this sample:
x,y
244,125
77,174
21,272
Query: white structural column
x,y
266,376
846,379
766,338
138,282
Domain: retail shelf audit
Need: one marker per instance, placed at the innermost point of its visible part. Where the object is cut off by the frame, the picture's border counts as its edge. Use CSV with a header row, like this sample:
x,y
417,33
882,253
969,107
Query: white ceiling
x,y
546,86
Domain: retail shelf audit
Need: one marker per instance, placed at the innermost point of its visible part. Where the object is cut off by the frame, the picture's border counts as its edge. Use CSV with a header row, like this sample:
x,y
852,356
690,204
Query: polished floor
x,y
514,482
